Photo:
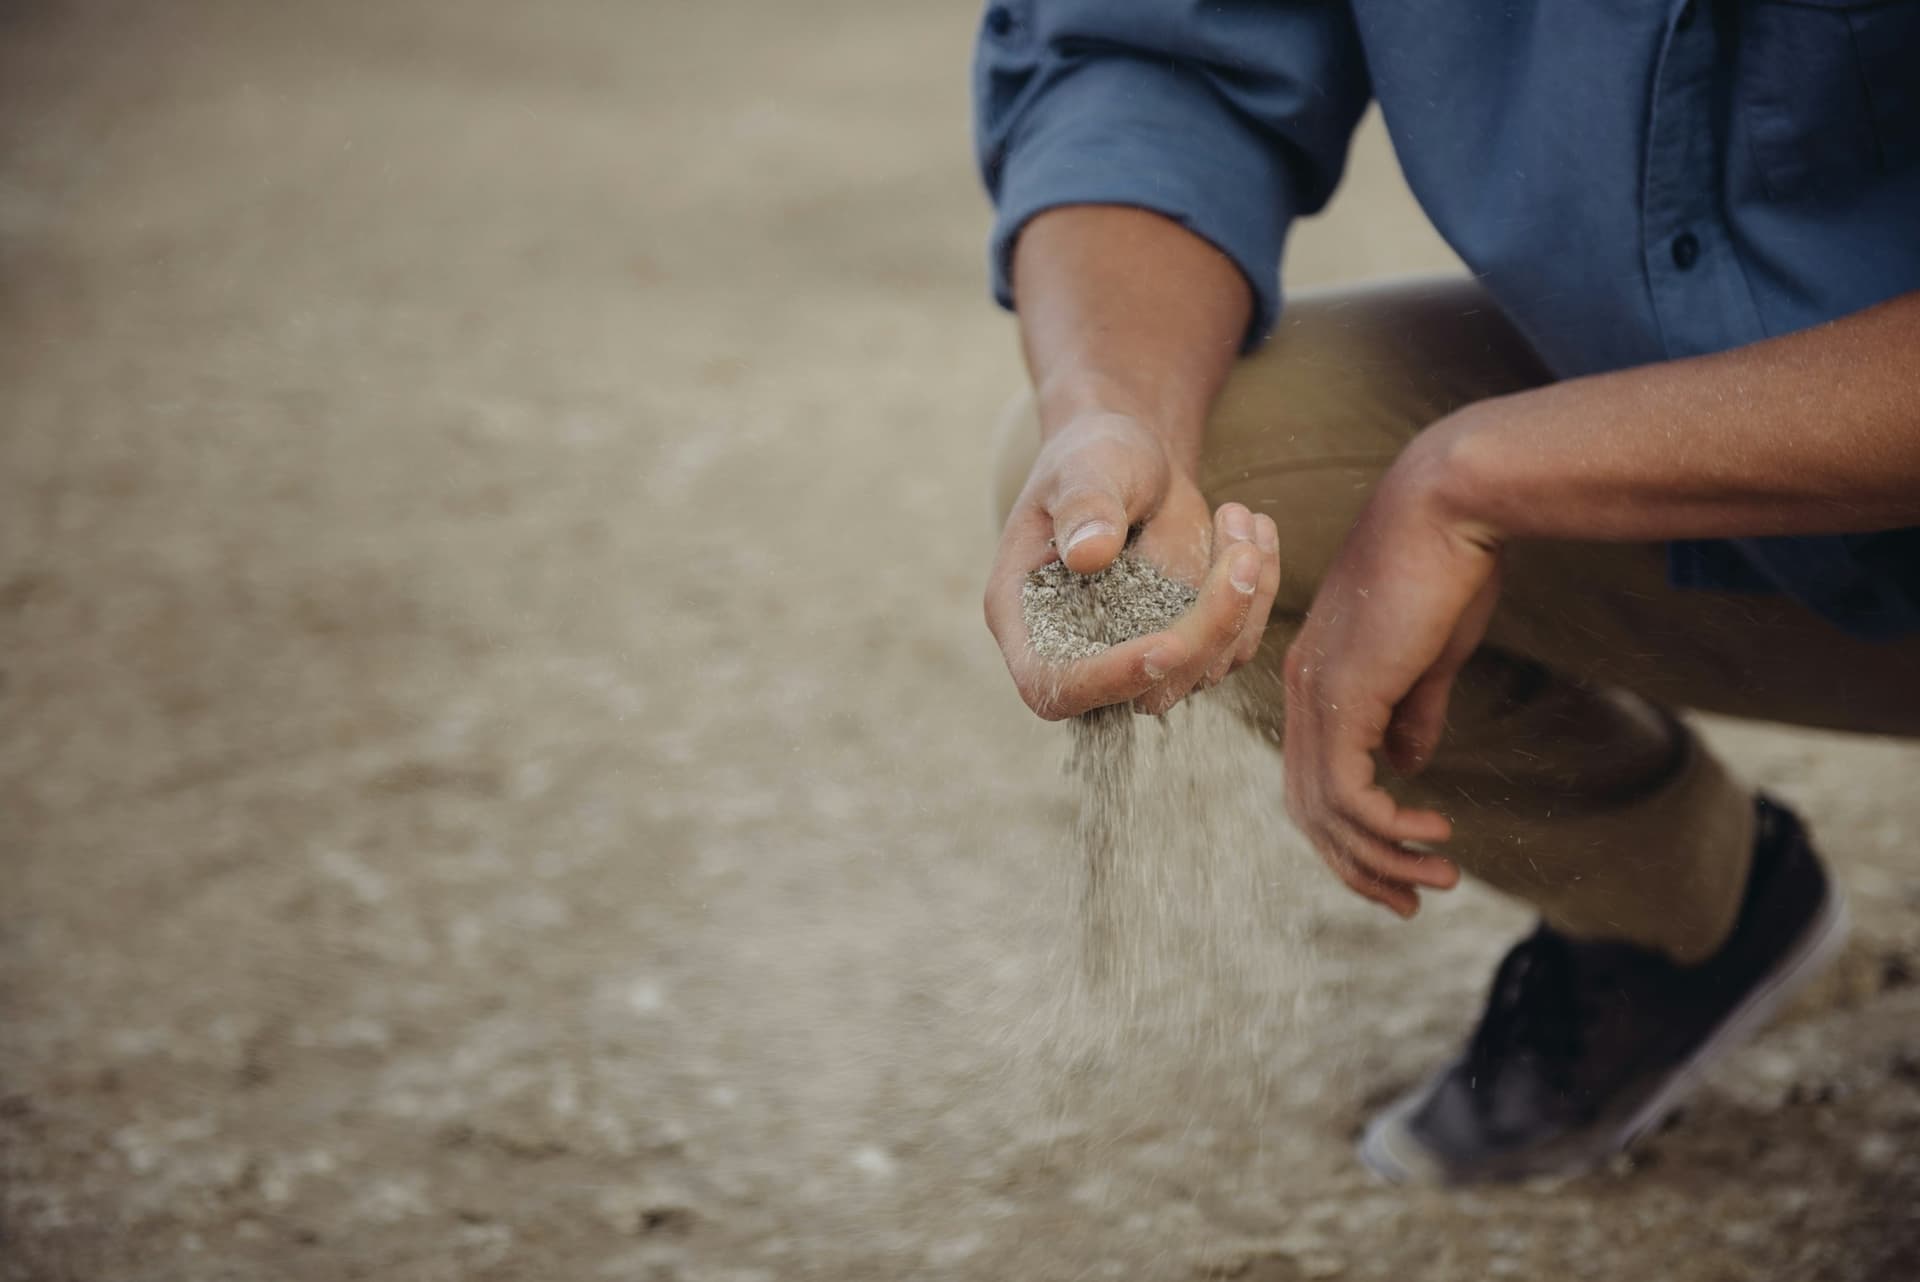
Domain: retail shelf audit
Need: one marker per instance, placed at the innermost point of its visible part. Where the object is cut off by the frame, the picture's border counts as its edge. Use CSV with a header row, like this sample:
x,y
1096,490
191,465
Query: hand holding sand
x,y
1098,477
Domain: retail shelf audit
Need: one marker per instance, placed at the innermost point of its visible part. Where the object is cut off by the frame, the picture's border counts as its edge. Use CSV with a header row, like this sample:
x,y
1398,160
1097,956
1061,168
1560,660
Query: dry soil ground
x,y
500,772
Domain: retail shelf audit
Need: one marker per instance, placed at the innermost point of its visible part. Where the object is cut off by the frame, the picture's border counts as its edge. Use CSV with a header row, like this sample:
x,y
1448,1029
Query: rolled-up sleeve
x,y
1230,118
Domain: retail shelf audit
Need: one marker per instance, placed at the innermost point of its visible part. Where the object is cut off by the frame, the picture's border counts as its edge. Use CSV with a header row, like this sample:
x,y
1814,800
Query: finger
x,y
1266,537
1397,897
1120,674
1356,858
1396,863
1303,799
1212,624
1353,791
1089,525
1421,717
1372,810
1374,867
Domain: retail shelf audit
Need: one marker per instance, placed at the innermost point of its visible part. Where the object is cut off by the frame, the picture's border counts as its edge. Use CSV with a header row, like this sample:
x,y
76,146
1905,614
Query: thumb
x,y
1089,527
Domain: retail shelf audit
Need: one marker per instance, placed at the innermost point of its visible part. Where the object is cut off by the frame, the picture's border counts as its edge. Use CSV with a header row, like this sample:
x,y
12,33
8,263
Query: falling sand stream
x,y
1186,961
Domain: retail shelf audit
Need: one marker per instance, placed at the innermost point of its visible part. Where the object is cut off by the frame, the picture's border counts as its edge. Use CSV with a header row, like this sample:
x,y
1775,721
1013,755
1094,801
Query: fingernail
x,y
1244,570
1091,530
1159,662
1239,523
1266,535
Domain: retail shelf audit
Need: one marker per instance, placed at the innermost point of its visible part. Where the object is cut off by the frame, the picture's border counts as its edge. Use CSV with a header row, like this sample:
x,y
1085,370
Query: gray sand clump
x,y
1074,616
1186,966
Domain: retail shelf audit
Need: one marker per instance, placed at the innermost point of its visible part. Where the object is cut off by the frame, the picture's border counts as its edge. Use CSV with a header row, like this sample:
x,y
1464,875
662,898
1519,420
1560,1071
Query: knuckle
x,y
1078,495
1363,866
1383,866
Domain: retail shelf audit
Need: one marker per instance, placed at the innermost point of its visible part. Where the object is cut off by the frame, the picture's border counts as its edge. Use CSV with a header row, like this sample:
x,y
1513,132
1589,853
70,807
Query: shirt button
x,y
999,20
1686,250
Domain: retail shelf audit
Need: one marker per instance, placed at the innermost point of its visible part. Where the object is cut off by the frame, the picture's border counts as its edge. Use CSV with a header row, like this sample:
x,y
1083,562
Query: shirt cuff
x,y
1125,131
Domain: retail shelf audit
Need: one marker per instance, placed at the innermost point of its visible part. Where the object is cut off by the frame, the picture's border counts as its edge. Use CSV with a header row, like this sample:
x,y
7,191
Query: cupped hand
x,y
1097,477
1400,611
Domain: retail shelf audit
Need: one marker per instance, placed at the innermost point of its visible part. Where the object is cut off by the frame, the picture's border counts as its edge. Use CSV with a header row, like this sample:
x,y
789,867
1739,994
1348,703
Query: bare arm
x,y
1122,311
1813,433
1130,324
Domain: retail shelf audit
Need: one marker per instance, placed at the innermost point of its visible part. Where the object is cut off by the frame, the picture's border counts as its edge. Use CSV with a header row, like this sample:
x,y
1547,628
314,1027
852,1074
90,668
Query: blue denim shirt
x,y
1633,180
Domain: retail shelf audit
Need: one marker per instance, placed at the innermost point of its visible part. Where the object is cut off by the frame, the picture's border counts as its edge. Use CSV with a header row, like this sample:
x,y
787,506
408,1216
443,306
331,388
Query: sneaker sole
x,y
1390,1152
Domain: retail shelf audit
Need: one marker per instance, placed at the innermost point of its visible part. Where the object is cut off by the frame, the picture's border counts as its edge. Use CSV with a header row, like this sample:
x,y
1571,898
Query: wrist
x,y
1063,398
1066,399
1448,476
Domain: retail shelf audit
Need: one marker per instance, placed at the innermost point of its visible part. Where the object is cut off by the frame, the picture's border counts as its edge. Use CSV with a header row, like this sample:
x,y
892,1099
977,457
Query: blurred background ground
x,y
501,775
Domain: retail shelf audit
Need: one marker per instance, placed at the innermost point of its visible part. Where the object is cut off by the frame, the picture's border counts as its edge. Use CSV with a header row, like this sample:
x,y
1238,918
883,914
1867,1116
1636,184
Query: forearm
x,y
1124,311
1816,432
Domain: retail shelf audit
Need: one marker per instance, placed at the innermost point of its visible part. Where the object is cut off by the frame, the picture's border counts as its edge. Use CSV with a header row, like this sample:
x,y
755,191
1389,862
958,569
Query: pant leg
x,y
1570,783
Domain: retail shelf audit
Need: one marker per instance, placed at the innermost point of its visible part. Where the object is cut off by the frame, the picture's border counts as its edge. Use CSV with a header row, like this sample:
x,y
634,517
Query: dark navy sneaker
x,y
1586,1046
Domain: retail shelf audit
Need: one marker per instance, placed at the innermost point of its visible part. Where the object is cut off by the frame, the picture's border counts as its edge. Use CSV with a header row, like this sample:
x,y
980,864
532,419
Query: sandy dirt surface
x,y
501,774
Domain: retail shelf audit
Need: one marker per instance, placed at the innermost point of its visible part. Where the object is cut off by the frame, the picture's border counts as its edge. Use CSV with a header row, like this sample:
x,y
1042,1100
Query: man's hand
x,y
1706,447
1123,309
1096,477
1130,323
1400,611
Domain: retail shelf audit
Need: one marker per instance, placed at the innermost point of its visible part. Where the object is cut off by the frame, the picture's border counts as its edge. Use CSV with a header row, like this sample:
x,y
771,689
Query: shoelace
x,y
1534,1011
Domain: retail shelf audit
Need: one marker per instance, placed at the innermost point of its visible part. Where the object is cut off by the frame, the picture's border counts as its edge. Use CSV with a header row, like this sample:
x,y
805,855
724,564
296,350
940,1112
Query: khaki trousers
x,y
1570,781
